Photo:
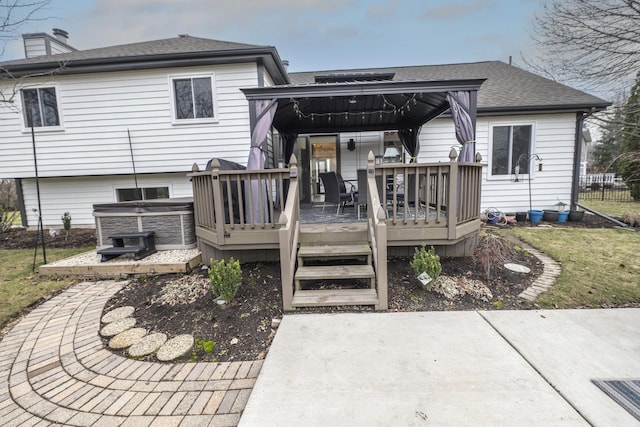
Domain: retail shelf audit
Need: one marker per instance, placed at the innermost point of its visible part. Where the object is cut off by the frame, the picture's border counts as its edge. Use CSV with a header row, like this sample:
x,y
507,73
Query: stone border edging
x,y
551,270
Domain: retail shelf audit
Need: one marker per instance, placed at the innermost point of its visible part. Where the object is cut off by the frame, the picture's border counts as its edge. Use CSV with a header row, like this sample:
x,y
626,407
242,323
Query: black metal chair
x,y
335,191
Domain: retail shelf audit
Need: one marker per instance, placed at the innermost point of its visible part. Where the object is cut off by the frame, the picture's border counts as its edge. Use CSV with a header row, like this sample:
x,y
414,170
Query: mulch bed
x,y
183,303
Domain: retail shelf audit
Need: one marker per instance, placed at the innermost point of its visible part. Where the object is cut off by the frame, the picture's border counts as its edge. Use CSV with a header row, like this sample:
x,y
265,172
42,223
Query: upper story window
x,y
510,147
193,98
40,107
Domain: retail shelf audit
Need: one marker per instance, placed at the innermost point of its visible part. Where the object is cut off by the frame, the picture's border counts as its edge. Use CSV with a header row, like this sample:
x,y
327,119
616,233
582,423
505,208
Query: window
x,y
129,194
511,146
40,107
193,98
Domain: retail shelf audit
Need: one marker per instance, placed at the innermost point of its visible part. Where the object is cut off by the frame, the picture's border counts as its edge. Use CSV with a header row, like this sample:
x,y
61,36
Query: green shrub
x,y
426,261
66,221
225,278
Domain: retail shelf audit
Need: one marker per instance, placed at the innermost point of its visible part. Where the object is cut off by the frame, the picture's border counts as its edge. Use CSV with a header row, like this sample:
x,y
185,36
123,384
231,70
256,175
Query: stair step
x,y
333,297
335,272
328,234
325,251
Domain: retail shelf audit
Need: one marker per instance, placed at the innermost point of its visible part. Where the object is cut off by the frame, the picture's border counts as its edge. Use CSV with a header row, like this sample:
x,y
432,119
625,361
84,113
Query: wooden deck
x,y
256,215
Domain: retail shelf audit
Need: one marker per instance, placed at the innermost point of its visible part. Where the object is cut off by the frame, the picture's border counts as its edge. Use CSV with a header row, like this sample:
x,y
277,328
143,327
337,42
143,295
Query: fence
x,y
604,187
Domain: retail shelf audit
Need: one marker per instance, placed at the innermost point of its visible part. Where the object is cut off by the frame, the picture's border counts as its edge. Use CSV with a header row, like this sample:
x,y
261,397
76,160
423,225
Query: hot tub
x,y
170,219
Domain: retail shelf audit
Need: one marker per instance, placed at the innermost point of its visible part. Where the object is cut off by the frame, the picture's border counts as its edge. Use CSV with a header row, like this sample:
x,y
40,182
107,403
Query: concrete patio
x,y
516,368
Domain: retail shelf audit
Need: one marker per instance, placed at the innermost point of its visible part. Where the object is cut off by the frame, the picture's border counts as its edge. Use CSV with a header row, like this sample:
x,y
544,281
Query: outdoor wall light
x,y
351,145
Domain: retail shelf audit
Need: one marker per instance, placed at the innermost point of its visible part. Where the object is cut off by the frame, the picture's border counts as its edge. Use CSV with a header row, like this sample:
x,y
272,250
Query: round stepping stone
x,y
147,345
117,314
114,328
127,338
517,268
175,347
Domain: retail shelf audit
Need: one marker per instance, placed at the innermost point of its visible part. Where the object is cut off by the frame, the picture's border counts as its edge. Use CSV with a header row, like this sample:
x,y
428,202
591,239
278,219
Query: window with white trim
x,y
193,98
511,146
40,107
141,193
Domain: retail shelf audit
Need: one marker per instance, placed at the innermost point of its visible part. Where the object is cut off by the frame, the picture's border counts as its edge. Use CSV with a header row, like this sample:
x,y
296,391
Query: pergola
x,y
361,102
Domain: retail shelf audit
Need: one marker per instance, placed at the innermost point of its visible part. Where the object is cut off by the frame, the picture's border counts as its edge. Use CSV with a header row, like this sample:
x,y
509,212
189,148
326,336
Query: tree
x,y
630,160
604,155
594,43
16,13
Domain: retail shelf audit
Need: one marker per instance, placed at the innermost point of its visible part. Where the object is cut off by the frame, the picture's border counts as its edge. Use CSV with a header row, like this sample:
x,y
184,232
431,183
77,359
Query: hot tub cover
x,y
146,206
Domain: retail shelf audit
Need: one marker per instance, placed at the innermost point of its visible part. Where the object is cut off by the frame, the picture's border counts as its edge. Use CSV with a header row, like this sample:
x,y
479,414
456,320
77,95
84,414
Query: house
x,y
436,144
111,111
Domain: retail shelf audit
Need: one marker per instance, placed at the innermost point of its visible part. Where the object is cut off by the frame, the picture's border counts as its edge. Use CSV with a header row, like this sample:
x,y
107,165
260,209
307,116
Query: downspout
x,y
575,182
21,206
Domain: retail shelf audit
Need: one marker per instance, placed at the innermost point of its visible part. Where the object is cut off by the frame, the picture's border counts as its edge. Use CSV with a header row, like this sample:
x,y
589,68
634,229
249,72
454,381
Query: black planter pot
x,y
576,216
550,215
521,216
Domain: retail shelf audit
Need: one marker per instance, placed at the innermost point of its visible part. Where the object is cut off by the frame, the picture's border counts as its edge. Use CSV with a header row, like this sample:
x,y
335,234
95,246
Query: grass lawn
x,y
20,287
612,208
600,267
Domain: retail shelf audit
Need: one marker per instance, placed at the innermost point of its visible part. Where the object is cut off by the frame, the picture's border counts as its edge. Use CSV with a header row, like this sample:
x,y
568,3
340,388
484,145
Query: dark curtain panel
x,y
288,143
461,114
410,141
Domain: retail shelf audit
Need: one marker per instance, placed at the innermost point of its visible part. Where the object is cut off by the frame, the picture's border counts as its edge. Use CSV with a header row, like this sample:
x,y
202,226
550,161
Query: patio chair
x,y
335,191
410,193
361,199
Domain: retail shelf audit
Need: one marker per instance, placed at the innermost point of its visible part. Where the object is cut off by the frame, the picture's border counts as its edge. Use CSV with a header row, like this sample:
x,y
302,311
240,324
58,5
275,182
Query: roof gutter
x,y
360,88
269,56
542,109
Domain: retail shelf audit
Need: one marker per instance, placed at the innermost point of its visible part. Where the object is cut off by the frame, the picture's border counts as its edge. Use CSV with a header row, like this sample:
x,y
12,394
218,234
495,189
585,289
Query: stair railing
x,y
377,233
289,235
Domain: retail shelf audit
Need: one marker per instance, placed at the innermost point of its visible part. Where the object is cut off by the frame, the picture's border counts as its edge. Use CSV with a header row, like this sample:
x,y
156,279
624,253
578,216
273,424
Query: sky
x,y
312,35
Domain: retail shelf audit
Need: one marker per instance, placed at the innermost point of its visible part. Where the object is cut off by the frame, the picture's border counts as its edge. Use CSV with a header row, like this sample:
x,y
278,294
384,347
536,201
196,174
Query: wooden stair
x,y
343,262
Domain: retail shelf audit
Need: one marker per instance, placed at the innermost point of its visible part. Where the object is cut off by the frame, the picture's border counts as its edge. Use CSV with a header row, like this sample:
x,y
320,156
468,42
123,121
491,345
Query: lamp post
x,y
529,157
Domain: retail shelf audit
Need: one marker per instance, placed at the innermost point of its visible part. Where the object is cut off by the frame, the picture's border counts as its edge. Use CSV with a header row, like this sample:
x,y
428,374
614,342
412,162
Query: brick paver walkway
x,y
54,370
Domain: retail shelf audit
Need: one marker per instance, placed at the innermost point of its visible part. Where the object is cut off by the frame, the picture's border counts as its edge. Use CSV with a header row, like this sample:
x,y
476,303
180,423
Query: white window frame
x,y
172,98
532,146
25,127
141,187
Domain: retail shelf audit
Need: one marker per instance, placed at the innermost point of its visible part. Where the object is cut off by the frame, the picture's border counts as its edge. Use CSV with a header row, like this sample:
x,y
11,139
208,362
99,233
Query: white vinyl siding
x,y
351,161
35,47
100,110
554,136
78,195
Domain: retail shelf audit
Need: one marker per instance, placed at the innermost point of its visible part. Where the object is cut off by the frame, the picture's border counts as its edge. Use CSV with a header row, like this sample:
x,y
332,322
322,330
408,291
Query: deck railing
x,y
377,235
430,194
227,200
289,236
440,195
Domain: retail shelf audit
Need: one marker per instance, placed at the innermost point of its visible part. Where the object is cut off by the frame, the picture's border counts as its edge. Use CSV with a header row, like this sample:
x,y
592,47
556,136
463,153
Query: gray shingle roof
x,y
507,87
183,44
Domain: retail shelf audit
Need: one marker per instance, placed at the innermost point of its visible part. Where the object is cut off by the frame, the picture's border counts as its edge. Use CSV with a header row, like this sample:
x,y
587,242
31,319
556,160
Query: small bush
x,y
492,250
7,219
631,218
66,221
225,278
426,261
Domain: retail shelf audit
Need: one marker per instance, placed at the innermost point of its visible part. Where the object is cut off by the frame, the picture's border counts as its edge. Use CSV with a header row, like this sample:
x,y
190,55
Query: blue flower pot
x,y
562,216
535,216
